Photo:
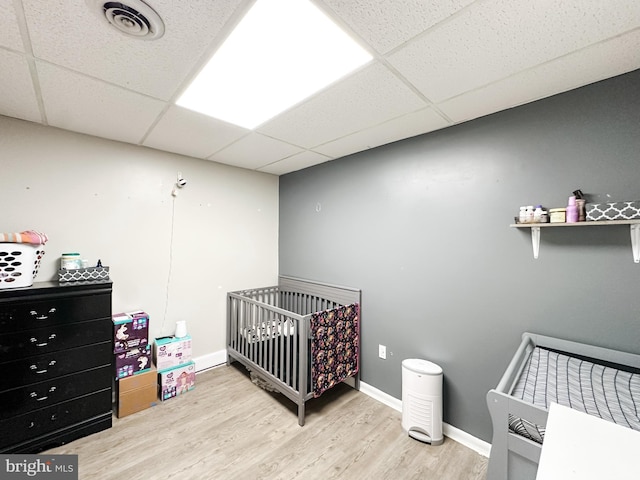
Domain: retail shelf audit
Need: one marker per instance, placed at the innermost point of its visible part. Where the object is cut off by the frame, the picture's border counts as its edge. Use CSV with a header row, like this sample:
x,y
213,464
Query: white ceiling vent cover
x,y
133,17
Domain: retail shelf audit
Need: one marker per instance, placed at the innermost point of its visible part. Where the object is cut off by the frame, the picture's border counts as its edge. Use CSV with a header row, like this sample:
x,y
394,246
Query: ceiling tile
x,y
17,97
190,133
406,126
386,25
88,106
72,35
254,151
9,32
492,40
437,62
616,56
295,162
369,97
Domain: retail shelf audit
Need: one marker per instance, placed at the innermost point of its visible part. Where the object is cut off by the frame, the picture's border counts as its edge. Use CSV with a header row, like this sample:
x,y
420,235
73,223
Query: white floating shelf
x,y
634,228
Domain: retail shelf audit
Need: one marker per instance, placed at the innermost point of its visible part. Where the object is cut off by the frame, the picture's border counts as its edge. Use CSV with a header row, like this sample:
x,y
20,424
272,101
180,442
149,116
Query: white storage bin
x,y
19,263
422,400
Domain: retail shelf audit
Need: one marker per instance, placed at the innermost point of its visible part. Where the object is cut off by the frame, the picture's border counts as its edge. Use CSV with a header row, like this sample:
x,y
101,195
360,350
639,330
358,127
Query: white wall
x,y
113,201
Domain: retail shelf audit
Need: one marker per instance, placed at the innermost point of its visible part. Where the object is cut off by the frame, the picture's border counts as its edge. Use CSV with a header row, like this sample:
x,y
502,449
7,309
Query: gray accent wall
x,y
422,227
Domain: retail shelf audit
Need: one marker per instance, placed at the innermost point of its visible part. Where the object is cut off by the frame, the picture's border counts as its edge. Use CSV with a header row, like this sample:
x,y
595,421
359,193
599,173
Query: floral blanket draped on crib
x,y
335,346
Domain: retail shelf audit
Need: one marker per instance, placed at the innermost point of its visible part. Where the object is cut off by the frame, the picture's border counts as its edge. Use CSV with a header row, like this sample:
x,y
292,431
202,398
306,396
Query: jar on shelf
x,y
544,216
529,214
70,261
558,215
537,214
522,218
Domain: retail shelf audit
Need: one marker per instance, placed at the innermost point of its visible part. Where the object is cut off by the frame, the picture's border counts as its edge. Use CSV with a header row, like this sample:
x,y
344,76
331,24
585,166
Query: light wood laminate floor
x,y
228,428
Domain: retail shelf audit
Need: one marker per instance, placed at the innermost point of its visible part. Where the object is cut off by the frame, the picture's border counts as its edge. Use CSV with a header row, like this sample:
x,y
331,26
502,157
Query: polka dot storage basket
x,y
19,264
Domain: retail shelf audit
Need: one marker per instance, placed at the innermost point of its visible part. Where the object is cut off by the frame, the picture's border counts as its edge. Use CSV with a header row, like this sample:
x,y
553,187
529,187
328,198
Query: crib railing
x,y
303,303
270,339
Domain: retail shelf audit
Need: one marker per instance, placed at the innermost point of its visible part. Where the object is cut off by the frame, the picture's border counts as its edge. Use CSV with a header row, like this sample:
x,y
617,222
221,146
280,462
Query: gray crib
x,y
268,331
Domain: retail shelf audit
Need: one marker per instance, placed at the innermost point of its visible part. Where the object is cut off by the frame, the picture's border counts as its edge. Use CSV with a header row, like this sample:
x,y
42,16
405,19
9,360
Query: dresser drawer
x,y
53,338
55,417
26,314
48,366
39,395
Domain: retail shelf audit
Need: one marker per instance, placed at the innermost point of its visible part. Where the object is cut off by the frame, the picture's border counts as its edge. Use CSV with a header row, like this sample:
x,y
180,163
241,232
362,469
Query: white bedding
x,y
268,330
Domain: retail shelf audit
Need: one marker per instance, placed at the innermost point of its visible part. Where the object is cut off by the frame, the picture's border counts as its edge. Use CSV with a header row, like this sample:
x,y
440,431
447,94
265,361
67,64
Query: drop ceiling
x,y
436,63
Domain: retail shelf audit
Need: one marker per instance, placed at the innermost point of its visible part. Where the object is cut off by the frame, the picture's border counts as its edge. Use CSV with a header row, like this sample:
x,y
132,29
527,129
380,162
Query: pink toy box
x,y
130,330
177,380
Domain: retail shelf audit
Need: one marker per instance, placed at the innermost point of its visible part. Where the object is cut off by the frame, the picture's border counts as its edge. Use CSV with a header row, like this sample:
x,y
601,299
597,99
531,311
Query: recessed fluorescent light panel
x,y
281,52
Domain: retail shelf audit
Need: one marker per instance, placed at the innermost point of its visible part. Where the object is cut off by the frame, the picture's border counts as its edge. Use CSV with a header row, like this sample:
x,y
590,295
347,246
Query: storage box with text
x,y
170,352
130,330
177,380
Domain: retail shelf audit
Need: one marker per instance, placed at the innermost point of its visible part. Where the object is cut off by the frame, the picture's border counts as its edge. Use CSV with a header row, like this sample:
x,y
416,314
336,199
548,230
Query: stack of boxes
x,y
138,382
176,370
135,377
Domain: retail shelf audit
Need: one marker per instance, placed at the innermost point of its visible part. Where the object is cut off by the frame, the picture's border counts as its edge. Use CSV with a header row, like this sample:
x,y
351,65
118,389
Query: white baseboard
x,y
210,360
382,397
218,358
460,436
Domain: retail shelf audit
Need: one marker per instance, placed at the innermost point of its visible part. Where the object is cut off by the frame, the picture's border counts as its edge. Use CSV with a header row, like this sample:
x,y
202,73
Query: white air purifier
x,y
422,400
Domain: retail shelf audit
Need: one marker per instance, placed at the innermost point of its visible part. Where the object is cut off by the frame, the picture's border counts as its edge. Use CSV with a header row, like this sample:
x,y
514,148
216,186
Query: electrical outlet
x,y
382,352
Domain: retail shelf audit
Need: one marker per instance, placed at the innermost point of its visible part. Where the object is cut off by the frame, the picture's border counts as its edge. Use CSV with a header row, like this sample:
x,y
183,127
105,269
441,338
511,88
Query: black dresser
x,y
56,354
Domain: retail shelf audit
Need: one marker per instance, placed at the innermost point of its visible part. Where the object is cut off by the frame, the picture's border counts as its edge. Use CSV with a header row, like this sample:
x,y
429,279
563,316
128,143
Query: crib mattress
x,y
604,391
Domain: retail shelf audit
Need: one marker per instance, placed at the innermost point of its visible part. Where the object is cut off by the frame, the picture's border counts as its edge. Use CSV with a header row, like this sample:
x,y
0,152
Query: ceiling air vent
x,y
133,17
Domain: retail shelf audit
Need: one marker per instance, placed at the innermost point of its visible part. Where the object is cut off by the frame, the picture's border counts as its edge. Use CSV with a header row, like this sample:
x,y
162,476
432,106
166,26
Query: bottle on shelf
x,y
572,210
529,214
522,218
581,203
582,213
537,214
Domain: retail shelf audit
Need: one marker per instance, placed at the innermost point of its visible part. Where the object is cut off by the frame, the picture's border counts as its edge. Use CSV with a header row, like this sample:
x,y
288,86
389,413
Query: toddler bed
x,y
545,370
301,337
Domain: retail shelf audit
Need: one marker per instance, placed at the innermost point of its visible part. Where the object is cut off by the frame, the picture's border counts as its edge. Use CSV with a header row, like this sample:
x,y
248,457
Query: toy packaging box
x,y
169,352
176,381
130,330
132,362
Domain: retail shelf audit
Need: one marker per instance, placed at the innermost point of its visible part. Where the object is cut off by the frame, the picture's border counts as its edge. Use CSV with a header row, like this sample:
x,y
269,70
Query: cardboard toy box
x,y
133,362
137,392
176,381
169,352
130,330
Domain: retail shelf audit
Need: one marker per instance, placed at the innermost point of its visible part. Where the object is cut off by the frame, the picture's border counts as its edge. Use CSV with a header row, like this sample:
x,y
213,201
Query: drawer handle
x,y
35,367
31,425
38,399
43,316
43,344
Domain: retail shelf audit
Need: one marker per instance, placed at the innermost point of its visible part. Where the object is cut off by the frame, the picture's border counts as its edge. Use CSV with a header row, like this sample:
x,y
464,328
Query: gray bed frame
x,y
283,358
513,456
